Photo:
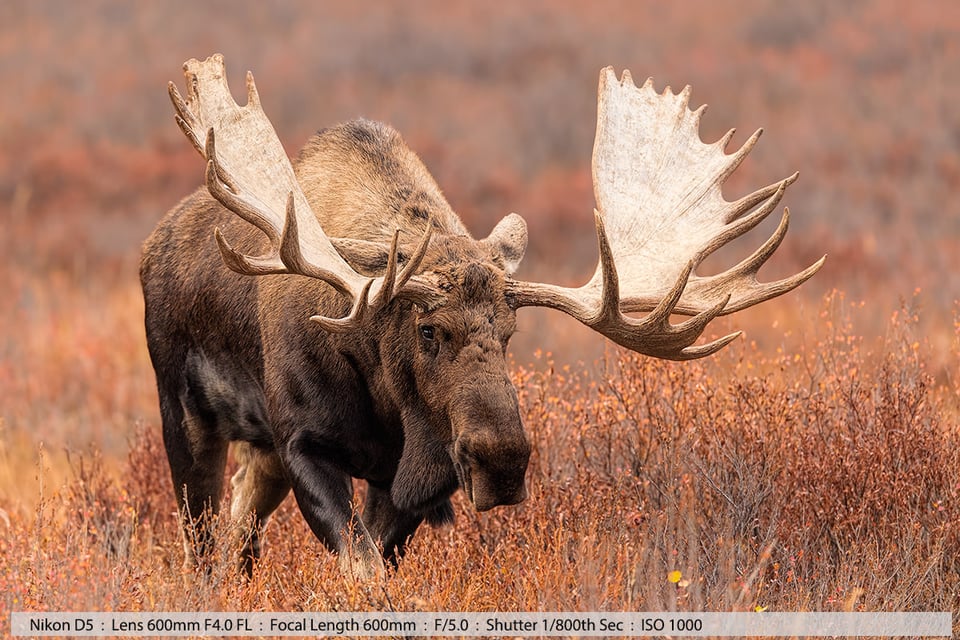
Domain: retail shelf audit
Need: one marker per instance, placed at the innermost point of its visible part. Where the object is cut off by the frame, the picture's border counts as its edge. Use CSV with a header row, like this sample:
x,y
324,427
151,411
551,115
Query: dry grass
x,y
823,478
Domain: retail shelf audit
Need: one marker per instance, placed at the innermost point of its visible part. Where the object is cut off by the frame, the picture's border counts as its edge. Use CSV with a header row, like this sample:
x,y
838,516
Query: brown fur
x,y
417,402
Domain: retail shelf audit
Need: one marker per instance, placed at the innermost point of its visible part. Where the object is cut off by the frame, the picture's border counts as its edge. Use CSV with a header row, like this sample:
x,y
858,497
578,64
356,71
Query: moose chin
x,y
334,318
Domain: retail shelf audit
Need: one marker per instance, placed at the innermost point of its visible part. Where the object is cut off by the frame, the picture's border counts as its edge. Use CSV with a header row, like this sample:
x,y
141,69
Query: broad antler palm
x,y
660,213
249,172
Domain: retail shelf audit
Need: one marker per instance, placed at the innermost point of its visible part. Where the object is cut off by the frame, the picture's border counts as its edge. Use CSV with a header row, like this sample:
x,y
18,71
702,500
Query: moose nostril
x,y
464,476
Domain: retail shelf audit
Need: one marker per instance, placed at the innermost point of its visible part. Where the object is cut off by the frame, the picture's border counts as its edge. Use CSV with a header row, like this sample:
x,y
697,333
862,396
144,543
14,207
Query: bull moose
x,y
372,344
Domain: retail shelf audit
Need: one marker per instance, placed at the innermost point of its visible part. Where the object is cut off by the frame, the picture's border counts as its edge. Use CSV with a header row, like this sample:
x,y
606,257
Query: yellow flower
x,y
758,608
674,576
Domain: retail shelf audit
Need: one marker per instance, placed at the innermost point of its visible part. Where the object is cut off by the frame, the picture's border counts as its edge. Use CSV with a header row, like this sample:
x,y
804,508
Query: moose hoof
x,y
362,565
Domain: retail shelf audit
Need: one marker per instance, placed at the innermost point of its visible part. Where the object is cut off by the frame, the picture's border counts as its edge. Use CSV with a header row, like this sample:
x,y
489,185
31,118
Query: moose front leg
x,y
259,486
324,495
388,524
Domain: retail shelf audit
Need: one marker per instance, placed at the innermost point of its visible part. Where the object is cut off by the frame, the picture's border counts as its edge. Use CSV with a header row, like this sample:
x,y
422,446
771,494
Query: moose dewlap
x,y
372,345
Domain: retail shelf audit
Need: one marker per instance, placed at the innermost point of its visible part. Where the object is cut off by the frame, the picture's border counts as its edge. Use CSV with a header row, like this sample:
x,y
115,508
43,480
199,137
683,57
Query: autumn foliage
x,y
812,465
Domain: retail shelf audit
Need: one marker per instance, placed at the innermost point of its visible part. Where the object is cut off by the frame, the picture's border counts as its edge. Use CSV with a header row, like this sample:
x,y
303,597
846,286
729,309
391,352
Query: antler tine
x,y
749,201
287,254
247,265
266,264
390,275
742,277
737,157
291,254
249,173
349,322
413,264
742,224
661,212
707,349
609,311
184,117
253,96
611,318
654,334
394,283
222,187
756,292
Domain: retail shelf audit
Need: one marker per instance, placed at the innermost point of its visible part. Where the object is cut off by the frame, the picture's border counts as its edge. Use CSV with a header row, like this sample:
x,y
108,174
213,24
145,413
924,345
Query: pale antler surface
x,y
249,172
660,213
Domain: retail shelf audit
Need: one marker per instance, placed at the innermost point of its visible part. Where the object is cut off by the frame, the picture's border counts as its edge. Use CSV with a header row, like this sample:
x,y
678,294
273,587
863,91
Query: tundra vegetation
x,y
811,465
818,478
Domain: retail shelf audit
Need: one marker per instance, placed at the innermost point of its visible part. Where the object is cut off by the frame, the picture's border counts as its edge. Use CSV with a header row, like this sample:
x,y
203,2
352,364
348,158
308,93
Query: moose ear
x,y
508,241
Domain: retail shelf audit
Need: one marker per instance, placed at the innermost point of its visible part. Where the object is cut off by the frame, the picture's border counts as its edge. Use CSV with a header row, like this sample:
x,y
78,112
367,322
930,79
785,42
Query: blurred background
x,y
499,100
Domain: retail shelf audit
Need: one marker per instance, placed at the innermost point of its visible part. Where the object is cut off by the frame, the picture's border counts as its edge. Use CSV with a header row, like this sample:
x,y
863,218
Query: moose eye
x,y
427,332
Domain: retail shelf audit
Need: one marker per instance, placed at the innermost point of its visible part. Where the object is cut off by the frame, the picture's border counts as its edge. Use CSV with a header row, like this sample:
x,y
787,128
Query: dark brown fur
x,y
417,403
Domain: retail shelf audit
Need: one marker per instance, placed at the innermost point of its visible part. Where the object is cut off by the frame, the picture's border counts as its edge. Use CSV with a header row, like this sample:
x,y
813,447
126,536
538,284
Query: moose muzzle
x,y
490,450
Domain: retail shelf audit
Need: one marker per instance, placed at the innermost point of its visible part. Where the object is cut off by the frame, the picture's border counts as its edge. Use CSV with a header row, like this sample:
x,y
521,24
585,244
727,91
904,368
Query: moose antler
x,y
249,173
660,213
